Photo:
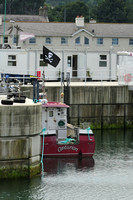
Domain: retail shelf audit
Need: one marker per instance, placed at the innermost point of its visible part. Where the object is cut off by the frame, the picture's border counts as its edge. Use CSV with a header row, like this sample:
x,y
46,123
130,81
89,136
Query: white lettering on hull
x,y
67,147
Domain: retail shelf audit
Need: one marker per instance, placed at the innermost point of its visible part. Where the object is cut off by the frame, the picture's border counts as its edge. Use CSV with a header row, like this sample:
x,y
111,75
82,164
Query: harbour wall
x,y
20,127
100,104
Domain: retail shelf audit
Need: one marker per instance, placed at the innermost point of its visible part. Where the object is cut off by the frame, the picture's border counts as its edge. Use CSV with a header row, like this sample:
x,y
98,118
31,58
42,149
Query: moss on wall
x,y
19,172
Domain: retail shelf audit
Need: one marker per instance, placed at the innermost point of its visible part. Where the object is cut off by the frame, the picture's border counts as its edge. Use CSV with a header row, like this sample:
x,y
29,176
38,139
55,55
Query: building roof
x,y
58,29
25,18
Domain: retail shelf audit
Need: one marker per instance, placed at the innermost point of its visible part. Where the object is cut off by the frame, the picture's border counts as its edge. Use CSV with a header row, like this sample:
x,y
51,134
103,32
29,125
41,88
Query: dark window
x,y
115,41
48,40
32,40
77,40
103,61
64,40
86,40
12,60
99,40
41,62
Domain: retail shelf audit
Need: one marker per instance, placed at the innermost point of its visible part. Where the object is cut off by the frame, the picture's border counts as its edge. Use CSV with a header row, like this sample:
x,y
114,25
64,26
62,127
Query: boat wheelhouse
x,y
60,139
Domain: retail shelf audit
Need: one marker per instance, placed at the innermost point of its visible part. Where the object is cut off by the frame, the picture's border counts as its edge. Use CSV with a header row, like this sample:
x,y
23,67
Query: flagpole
x,y
4,24
63,77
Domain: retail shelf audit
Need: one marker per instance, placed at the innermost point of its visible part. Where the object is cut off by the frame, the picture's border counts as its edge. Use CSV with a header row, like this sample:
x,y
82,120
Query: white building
x,y
82,47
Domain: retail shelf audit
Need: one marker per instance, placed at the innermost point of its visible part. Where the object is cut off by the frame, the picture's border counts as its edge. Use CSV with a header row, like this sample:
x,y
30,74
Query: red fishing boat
x,y
59,139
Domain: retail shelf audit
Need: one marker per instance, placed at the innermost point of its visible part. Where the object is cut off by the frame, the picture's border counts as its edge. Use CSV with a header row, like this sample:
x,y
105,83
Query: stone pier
x,y
20,127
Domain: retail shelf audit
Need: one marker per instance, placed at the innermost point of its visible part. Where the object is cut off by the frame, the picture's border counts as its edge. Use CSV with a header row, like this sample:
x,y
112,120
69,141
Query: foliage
x,y
111,11
114,11
68,12
21,7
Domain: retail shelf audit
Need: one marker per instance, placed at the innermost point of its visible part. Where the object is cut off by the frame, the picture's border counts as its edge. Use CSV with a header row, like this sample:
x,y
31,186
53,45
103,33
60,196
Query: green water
x,y
108,176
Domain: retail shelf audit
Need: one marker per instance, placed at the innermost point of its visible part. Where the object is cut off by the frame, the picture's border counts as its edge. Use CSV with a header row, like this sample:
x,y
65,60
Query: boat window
x,y
62,114
51,113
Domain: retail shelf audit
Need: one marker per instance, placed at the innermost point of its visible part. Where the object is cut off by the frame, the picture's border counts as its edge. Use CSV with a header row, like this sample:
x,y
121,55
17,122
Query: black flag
x,y
49,57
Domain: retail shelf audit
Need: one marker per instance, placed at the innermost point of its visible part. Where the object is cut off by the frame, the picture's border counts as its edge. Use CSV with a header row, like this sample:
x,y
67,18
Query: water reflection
x,y
60,165
107,176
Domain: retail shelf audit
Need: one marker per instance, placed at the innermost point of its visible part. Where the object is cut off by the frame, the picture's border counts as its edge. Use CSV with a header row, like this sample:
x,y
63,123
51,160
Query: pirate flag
x,y
49,57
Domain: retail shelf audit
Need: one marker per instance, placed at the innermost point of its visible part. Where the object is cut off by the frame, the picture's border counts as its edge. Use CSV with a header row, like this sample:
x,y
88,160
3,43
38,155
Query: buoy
x,y
127,78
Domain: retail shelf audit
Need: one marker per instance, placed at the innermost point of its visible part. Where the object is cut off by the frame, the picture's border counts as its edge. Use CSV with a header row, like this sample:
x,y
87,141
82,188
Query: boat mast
x,y
4,25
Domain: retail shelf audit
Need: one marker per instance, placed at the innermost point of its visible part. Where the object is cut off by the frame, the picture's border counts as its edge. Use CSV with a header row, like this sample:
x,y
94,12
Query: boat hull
x,y
85,147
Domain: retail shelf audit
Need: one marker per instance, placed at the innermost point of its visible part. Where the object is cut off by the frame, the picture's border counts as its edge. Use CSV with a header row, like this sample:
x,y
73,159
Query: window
x,y
86,40
131,41
99,40
15,40
115,41
5,39
48,40
32,40
42,63
77,40
69,61
64,40
11,60
51,113
103,61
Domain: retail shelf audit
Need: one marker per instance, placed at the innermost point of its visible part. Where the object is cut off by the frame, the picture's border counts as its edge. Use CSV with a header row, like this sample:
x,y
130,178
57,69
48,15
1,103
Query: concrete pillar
x,y
20,127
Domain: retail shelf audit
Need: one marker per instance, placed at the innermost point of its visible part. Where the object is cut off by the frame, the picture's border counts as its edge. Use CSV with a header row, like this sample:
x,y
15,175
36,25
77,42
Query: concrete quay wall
x,y
20,127
101,104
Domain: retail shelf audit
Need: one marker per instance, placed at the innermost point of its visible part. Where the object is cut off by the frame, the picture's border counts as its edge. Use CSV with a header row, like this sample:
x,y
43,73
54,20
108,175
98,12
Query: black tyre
x,y
7,102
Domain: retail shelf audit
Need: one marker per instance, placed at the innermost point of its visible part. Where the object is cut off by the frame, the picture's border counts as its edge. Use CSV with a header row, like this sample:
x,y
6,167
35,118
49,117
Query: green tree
x,y
129,10
74,9
69,11
21,7
55,14
111,11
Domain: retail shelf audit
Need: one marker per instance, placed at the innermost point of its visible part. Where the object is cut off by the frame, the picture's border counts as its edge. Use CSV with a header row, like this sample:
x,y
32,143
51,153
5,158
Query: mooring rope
x,y
43,130
88,129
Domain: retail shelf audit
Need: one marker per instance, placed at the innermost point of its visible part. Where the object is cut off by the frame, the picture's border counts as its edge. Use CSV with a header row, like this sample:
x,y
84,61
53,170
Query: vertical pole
x,y
4,24
37,90
34,88
78,114
102,116
125,107
124,116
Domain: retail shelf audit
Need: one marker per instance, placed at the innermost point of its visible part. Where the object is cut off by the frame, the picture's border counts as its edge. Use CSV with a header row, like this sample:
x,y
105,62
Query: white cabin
x,y
125,67
54,118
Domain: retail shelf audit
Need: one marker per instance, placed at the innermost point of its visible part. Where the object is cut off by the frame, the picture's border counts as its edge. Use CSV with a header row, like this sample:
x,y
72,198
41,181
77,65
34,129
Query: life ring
x,y
127,78
61,123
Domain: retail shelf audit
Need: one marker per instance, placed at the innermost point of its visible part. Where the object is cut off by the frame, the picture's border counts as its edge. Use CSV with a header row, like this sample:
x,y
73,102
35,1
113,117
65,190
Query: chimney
x,y
79,21
43,11
92,21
